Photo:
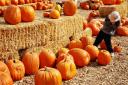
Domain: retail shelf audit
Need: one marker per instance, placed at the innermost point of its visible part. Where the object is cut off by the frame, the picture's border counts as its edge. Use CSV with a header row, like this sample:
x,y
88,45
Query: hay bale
x,y
45,32
106,9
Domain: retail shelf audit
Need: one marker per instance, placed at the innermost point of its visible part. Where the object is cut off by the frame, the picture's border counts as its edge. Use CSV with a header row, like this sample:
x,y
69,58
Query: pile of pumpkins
x,y
49,68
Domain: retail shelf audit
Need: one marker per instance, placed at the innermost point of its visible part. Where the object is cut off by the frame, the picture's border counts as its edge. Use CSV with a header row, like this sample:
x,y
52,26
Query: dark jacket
x,y
110,28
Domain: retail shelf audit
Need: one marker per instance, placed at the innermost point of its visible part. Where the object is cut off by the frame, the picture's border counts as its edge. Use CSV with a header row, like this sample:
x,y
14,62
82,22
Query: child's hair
x,y
116,15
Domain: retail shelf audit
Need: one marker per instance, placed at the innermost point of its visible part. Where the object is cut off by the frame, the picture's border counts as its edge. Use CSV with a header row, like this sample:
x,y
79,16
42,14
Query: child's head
x,y
114,16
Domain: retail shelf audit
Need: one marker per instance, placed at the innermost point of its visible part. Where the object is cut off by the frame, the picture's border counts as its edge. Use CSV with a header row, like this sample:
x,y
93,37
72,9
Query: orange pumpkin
x,y
31,62
122,31
21,1
86,40
12,14
47,58
117,48
69,8
14,2
4,68
93,51
80,56
27,13
109,2
75,44
54,14
5,79
8,2
48,76
63,56
67,68
104,57
2,2
16,68
62,50
27,1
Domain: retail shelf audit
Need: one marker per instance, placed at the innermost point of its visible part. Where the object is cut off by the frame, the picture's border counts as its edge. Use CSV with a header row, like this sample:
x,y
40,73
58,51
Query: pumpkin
x,y
27,13
4,68
5,79
21,1
46,14
31,62
75,44
67,68
109,2
62,50
93,51
39,5
12,14
104,57
27,1
14,2
86,40
117,48
63,56
69,8
54,14
80,56
47,58
119,1
2,2
122,31
8,2
16,68
48,76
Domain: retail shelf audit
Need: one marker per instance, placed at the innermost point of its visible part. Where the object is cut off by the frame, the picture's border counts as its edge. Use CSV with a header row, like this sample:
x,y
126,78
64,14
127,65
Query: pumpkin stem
x,y
22,52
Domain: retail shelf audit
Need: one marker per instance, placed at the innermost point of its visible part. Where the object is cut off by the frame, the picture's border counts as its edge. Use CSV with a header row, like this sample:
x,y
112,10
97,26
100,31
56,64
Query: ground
x,y
116,73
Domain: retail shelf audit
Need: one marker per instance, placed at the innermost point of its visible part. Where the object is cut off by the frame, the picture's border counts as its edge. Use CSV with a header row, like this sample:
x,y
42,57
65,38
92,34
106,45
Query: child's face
x,y
112,19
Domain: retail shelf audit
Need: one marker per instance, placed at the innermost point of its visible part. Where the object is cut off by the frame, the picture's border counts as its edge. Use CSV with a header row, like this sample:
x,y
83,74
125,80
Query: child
x,y
111,23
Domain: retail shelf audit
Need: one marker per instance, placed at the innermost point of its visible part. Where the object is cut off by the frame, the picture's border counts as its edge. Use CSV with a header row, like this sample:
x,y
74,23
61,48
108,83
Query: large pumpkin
x,y
122,31
93,52
109,2
63,56
16,68
48,76
69,8
4,68
104,57
86,40
75,44
31,62
67,68
27,13
12,14
81,57
5,79
47,58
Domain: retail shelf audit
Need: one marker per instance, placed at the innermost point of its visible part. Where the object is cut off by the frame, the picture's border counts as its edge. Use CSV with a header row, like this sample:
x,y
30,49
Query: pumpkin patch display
x,y
31,62
93,51
104,57
75,44
16,68
5,79
80,56
47,58
27,13
48,76
67,68
69,8
12,15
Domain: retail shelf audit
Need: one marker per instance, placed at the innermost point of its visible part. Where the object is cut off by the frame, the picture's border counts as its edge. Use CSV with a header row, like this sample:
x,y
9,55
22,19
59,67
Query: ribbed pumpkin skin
x,y
48,76
31,62
70,8
4,68
12,15
67,68
5,79
75,44
62,50
81,57
16,68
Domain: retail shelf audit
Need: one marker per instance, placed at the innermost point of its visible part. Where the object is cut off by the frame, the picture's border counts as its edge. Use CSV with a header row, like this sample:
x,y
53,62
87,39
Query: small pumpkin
x,y
12,15
31,62
62,51
69,8
48,76
117,48
54,14
5,79
16,68
47,58
67,68
75,44
27,13
80,56
93,51
104,57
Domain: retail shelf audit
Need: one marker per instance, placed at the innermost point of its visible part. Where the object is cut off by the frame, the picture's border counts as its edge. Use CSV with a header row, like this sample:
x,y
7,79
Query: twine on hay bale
x,y
45,32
